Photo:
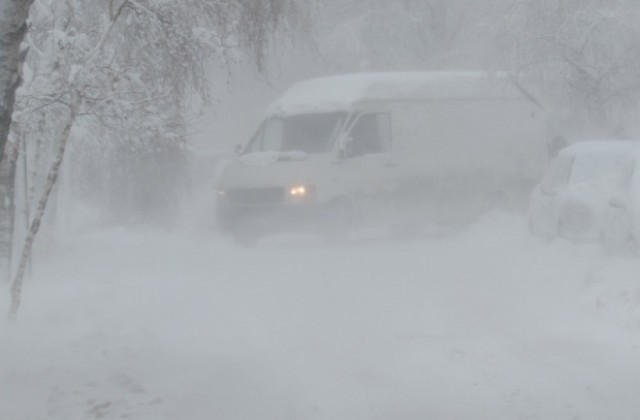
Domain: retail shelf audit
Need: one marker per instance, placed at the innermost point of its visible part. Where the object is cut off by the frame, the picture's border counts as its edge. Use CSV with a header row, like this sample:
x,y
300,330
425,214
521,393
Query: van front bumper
x,y
269,218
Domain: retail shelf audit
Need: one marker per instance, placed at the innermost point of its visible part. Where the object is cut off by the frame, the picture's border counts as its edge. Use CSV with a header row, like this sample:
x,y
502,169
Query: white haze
x,y
483,323
160,315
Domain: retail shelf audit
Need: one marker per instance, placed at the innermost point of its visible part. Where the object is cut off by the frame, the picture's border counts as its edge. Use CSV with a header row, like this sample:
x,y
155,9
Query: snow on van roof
x,y
342,92
601,147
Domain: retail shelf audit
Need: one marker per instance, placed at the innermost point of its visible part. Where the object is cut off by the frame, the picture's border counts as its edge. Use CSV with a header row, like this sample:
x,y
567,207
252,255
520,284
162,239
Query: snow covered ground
x,y
484,323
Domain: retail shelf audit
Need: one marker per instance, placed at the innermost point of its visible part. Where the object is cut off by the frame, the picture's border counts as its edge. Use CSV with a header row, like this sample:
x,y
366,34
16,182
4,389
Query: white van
x,y
393,148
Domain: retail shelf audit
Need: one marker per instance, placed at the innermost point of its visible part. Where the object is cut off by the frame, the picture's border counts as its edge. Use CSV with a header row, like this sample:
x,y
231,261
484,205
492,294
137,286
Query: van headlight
x,y
301,193
298,191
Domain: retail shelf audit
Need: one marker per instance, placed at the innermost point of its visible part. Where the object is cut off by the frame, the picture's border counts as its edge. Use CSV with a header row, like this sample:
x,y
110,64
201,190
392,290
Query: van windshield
x,y
309,133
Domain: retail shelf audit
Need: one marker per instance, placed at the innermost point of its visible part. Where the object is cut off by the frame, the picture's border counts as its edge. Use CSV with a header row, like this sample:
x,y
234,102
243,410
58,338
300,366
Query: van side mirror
x,y
239,149
345,148
546,190
618,202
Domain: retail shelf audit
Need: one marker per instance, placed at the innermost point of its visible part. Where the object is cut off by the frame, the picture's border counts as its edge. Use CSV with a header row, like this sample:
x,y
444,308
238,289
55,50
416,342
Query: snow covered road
x,y
485,323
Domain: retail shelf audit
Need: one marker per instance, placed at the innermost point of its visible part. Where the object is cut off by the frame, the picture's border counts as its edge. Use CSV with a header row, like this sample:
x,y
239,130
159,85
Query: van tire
x,y
339,219
497,200
245,236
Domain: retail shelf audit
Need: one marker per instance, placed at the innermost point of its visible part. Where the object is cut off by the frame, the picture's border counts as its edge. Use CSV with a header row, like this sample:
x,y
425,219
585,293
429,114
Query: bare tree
x,y
403,34
7,211
13,26
582,57
127,63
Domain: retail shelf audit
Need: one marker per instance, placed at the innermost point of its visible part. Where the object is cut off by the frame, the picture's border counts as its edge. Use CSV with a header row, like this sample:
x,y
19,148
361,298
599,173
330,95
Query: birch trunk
x,y
54,171
13,27
7,211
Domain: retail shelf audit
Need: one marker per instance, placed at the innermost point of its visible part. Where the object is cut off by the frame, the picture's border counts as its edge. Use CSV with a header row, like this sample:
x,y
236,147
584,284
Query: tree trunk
x,y
13,27
7,211
25,257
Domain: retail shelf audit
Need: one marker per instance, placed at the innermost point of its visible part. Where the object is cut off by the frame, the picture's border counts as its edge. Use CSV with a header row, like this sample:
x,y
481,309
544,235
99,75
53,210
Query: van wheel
x,y
339,220
245,236
497,200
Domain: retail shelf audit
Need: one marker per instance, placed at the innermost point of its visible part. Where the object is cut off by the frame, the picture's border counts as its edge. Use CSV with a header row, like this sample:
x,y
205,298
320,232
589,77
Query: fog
x,y
324,210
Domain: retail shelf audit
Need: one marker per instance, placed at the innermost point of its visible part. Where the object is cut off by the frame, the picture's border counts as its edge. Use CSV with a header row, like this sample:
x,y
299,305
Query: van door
x,y
368,171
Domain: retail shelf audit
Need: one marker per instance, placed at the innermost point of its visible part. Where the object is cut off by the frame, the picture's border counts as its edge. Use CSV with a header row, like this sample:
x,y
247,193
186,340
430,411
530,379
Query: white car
x,y
621,227
572,197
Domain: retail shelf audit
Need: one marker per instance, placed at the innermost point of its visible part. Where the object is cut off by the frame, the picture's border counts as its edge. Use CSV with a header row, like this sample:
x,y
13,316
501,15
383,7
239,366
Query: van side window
x,y
371,134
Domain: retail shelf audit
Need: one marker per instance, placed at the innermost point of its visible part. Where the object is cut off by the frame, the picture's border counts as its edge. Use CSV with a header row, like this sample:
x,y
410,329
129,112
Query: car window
x,y
590,167
558,174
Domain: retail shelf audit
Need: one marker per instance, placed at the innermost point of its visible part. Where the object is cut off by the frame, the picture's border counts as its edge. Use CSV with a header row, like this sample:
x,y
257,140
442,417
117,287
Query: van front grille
x,y
255,196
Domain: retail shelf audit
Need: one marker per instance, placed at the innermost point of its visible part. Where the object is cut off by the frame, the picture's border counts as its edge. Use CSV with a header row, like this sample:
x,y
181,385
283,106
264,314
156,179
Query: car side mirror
x,y
618,202
345,149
